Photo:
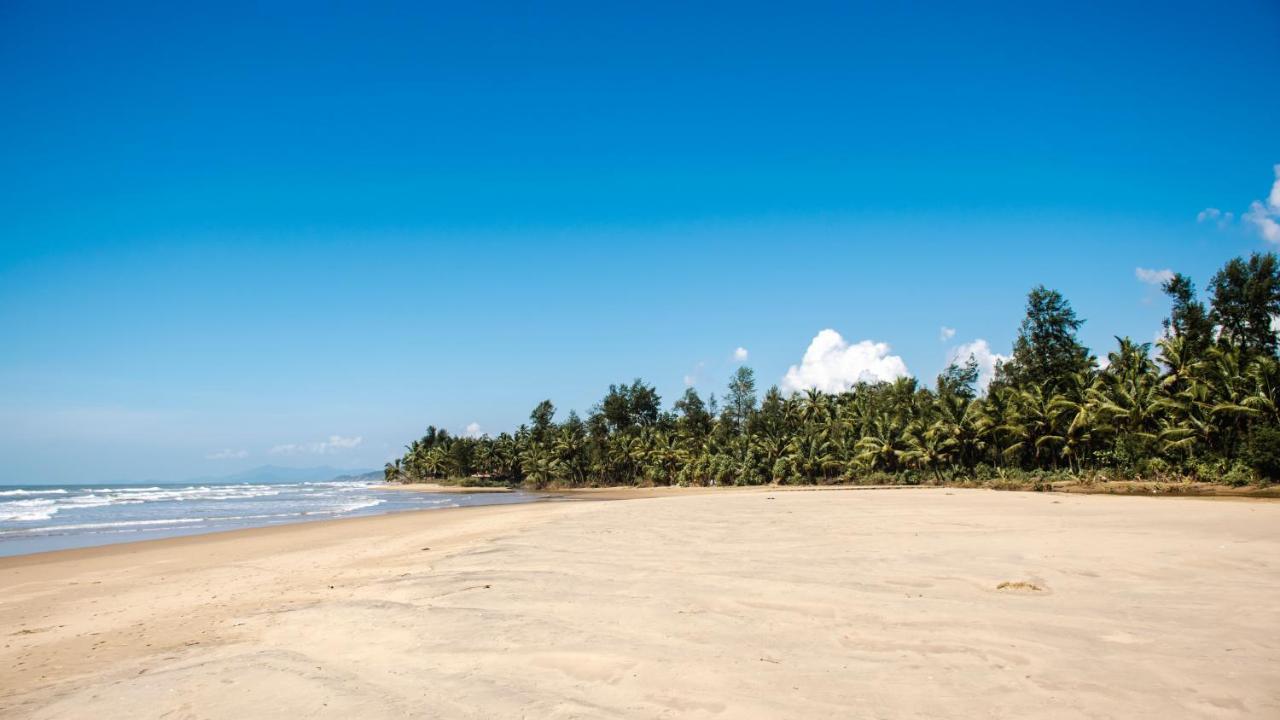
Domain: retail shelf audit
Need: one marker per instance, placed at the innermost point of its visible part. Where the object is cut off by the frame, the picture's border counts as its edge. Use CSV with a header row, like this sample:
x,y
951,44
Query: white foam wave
x,y
28,510
20,491
81,527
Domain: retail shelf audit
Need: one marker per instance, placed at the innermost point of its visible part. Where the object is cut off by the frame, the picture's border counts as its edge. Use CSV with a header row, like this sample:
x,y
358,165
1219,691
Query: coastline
x,y
756,602
438,488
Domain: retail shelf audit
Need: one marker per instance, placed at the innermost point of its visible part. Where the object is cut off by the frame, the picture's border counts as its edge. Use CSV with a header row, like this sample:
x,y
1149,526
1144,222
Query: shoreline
x,y
438,488
129,547
602,494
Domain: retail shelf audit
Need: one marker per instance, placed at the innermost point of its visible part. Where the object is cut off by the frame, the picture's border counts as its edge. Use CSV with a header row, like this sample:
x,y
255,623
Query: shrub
x,y
1238,476
1262,451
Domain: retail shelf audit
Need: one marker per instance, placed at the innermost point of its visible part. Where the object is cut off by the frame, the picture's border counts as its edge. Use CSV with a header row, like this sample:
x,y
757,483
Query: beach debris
x,y
1019,586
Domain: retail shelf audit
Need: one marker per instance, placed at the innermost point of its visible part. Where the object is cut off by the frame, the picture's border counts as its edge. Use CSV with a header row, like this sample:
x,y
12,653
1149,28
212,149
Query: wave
x,y
53,529
20,491
120,525
28,510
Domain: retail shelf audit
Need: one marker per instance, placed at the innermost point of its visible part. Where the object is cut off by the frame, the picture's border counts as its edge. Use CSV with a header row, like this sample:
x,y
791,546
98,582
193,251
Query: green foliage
x,y
1262,452
1046,351
1206,406
1246,296
1188,318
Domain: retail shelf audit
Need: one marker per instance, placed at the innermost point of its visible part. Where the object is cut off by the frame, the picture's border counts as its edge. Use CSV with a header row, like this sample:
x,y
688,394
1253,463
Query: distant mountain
x,y
370,476
275,474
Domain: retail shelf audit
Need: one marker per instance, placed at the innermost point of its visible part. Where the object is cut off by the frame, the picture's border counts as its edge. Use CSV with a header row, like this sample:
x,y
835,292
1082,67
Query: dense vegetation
x,y
1203,404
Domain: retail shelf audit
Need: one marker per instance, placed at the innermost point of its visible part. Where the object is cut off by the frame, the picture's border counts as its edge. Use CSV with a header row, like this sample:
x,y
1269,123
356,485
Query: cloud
x,y
694,377
740,355
980,351
323,447
1263,215
1216,216
833,365
1153,277
1265,218
226,454
473,430
946,333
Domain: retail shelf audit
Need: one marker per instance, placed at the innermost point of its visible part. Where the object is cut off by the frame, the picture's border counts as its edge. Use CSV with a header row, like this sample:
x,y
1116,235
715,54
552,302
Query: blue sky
x,y
297,235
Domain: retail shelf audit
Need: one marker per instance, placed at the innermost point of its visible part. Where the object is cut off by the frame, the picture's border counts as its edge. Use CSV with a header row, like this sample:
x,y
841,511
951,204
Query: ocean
x,y
35,518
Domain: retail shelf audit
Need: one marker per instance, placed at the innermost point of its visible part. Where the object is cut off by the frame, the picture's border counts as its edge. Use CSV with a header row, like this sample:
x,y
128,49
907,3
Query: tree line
x,y
1203,403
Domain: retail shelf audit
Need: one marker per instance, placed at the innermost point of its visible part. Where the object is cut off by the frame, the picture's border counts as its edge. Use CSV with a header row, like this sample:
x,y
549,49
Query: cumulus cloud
x,y
323,447
226,454
473,430
987,361
740,354
1266,218
946,333
1153,277
832,365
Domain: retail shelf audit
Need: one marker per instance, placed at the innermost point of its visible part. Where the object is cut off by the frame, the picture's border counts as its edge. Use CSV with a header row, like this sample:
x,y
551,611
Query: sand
x,y
768,604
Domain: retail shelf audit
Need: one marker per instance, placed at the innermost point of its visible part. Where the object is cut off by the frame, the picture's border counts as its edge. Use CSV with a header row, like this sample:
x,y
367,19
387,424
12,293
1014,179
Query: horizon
x,y
304,257
252,475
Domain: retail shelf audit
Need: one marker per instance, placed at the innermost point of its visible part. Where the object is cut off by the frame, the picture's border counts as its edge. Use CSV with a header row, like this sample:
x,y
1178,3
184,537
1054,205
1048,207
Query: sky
x,y
297,234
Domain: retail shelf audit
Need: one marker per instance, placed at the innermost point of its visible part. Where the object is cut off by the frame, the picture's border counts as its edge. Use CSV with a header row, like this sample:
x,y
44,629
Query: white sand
x,y
769,604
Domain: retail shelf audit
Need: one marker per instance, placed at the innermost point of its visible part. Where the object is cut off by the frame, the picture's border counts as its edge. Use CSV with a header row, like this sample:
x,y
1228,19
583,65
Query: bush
x,y
1262,451
1238,476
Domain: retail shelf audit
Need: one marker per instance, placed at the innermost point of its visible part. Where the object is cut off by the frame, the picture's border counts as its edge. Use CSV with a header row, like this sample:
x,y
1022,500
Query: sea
x,y
39,518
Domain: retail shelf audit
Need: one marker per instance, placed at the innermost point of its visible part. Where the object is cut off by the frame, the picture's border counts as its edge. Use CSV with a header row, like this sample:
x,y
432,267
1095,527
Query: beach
x,y
760,603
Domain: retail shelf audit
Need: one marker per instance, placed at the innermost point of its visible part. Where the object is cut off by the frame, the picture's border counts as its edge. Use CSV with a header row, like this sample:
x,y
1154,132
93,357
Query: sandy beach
x,y
757,604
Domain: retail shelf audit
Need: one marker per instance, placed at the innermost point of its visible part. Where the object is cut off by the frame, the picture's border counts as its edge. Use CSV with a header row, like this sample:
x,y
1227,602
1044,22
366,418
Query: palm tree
x,y
540,466
884,444
391,472
930,450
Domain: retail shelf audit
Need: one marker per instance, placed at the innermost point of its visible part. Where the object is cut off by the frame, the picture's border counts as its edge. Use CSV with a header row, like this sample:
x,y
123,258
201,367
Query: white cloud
x,y
833,365
694,377
1263,215
1216,216
1265,219
323,447
1153,277
980,351
226,454
740,355
946,333
473,430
